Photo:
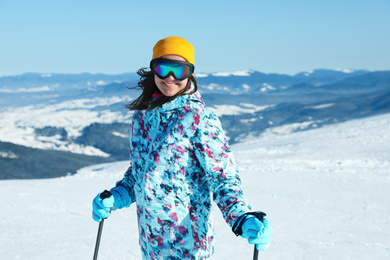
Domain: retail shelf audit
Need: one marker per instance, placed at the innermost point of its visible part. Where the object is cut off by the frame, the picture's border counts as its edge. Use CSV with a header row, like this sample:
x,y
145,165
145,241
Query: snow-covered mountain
x,y
76,120
325,192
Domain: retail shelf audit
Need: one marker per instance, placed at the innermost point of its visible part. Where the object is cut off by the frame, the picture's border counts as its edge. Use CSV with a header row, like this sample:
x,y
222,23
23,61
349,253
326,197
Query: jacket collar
x,y
192,100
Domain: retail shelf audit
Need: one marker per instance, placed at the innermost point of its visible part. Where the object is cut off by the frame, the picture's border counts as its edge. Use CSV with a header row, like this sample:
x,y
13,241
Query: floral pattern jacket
x,y
180,162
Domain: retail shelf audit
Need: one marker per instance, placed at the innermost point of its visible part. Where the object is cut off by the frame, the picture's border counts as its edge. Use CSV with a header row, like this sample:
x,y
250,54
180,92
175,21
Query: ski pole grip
x,y
105,194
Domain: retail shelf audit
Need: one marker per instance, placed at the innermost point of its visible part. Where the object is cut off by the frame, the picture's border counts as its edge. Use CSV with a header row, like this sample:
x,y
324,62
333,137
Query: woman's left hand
x,y
257,232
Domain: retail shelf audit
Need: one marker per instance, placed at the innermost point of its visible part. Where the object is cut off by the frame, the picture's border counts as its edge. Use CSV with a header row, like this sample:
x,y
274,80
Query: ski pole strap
x,y
237,227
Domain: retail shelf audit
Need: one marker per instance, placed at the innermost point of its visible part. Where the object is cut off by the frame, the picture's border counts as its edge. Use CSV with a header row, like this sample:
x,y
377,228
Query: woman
x,y
180,157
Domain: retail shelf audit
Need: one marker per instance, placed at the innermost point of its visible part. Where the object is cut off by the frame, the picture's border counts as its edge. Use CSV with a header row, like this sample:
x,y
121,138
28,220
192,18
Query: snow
x,y
215,87
201,75
288,128
307,74
243,108
120,134
267,87
246,87
325,192
347,71
24,90
225,74
101,83
235,73
322,106
344,70
9,155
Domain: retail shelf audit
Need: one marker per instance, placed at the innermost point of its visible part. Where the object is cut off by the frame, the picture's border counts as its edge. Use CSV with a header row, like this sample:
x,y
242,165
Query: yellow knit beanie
x,y
174,45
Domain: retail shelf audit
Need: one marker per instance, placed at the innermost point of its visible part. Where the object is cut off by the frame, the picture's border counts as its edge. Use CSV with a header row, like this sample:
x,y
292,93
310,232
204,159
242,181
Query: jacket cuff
x,y
122,197
237,213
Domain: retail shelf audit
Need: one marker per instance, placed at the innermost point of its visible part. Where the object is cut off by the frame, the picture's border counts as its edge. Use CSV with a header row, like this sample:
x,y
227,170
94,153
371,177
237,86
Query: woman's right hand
x,y
102,205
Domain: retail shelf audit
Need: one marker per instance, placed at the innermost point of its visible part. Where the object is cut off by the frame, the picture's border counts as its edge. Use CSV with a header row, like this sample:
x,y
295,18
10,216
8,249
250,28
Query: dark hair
x,y
148,87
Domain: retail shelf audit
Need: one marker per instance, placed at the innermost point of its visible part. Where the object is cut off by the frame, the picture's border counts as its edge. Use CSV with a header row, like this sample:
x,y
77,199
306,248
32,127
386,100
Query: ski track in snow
x,y
325,192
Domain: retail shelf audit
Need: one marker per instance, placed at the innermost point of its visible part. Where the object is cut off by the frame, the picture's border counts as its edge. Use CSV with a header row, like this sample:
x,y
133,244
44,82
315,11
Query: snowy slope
x,y
325,191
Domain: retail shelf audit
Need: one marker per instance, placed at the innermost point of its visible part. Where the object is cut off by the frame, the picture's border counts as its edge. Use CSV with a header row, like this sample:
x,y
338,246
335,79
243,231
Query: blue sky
x,y
117,36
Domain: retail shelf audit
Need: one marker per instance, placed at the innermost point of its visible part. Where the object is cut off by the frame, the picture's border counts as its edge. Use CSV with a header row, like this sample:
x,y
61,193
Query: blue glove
x,y
257,232
102,205
106,201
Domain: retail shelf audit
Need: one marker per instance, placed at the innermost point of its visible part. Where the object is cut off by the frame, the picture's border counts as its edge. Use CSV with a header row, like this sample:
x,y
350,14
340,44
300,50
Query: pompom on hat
x,y
176,46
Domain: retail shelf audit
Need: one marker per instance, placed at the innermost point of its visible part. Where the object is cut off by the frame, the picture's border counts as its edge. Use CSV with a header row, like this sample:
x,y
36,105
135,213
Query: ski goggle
x,y
180,70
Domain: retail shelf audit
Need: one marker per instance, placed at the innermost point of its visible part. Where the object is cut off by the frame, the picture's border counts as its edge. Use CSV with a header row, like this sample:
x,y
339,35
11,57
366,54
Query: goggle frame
x,y
154,63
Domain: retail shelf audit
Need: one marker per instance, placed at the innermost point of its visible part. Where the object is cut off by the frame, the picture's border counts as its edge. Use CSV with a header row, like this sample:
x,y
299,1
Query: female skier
x,y
180,157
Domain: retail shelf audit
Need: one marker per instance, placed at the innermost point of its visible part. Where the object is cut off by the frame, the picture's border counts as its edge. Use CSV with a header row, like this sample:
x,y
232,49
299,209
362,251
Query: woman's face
x,y
170,86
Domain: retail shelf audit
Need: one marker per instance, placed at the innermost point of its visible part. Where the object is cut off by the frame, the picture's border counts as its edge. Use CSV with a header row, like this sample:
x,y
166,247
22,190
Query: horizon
x,y
196,74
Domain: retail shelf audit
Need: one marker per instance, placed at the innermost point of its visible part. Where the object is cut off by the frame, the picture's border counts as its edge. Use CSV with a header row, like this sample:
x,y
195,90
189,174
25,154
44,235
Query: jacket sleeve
x,y
215,157
123,192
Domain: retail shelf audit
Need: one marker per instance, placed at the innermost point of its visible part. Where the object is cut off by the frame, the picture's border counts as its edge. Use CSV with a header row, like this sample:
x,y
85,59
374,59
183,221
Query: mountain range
x,y
53,124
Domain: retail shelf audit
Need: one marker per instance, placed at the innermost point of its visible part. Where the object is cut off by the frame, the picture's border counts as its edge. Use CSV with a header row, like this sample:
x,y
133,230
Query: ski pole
x,y
105,194
95,255
260,216
255,254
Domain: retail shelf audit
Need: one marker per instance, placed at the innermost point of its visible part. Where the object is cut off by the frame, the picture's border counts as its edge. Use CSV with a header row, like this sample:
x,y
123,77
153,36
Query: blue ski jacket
x,y
180,162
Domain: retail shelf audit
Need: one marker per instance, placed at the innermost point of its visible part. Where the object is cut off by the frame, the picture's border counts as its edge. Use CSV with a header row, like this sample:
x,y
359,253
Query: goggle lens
x,y
180,70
